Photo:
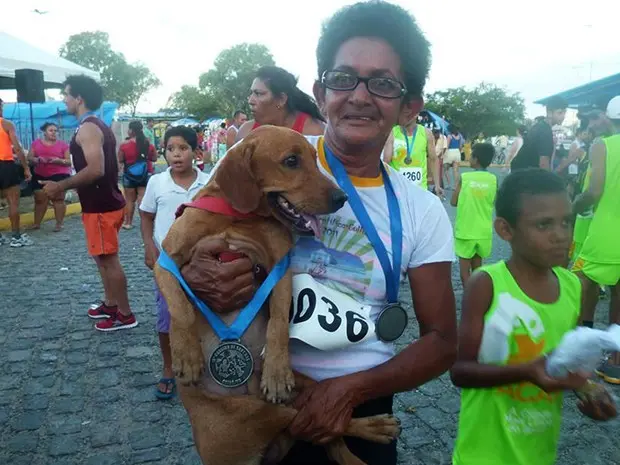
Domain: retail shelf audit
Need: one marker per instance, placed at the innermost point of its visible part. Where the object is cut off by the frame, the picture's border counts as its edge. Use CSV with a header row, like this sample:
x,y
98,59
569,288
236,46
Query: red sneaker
x,y
102,311
116,322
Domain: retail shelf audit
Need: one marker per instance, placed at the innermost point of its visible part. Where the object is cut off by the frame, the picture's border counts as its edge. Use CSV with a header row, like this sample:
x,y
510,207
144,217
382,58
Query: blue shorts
x,y
163,315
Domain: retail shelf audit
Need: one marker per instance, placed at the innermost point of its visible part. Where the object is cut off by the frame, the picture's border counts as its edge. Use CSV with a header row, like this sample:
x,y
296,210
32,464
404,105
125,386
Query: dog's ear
x,y
236,180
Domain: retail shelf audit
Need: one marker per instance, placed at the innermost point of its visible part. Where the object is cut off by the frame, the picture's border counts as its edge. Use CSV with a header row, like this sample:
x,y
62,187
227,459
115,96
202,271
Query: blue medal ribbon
x,y
391,271
409,146
247,314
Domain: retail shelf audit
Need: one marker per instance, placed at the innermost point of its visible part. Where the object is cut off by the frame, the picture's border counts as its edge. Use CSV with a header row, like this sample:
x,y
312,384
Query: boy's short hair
x,y
484,153
532,181
188,134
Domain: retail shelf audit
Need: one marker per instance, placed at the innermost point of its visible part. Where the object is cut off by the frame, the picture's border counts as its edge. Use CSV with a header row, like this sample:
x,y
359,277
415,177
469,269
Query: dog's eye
x,y
292,161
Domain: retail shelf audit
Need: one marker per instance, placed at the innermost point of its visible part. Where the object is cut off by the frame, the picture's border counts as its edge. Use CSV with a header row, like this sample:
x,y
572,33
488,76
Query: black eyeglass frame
x,y
366,81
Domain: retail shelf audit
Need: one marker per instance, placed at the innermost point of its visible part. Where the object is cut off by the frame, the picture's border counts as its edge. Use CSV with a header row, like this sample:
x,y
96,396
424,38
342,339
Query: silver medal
x,y
231,364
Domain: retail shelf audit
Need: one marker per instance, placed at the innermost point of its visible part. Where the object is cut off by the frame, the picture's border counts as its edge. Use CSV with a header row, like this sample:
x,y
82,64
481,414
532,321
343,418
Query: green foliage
x,y
122,82
224,88
486,108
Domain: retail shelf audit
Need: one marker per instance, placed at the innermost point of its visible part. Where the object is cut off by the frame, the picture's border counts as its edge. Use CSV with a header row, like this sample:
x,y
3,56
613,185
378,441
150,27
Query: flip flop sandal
x,y
164,395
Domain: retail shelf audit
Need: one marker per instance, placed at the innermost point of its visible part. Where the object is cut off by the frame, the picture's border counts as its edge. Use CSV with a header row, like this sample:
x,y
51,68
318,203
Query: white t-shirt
x,y
345,261
163,197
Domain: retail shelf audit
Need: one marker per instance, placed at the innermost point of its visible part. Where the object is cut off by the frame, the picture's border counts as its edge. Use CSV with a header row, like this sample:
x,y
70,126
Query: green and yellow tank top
x,y
409,157
601,243
517,424
583,220
474,213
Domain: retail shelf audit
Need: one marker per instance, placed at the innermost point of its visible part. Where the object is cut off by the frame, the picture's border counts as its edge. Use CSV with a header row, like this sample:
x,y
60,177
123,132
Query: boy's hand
x,y
540,377
151,254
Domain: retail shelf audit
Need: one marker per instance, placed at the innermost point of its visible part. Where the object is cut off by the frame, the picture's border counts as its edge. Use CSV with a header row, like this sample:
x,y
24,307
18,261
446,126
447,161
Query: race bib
x,y
412,174
325,318
573,169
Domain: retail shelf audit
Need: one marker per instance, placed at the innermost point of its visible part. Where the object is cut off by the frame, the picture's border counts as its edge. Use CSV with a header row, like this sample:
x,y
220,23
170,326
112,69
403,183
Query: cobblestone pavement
x,y
70,395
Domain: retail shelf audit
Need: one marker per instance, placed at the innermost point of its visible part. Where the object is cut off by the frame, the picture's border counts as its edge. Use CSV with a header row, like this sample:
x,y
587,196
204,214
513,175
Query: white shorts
x,y
452,156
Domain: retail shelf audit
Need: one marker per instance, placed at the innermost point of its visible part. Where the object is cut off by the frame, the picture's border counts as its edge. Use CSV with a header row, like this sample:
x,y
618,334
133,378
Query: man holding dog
x,y
371,73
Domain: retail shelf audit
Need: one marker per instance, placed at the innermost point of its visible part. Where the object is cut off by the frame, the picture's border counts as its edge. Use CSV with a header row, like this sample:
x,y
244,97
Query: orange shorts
x,y
102,232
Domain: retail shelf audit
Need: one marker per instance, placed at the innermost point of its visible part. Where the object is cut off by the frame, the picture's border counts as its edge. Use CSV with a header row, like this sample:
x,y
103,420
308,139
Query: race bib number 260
x,y
325,318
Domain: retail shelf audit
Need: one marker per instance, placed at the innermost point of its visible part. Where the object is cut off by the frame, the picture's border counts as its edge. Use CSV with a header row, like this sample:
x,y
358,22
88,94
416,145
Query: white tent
x,y
17,54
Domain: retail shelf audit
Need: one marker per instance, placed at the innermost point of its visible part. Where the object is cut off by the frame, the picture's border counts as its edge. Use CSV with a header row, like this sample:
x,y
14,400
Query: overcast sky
x,y
537,48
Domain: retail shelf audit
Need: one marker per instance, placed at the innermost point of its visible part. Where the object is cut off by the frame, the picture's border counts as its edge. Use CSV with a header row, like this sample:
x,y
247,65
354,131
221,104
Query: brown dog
x,y
272,181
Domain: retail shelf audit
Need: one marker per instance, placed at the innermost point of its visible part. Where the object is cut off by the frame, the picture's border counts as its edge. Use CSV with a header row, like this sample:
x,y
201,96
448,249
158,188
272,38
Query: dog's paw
x,y
277,382
188,364
382,429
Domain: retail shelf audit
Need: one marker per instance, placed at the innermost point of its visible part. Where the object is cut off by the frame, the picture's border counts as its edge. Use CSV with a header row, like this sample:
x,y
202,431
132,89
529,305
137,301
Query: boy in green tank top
x,y
474,197
598,263
513,314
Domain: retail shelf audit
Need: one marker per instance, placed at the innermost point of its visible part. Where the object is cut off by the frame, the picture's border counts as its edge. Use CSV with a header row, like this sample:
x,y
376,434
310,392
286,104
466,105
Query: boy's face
x,y
179,154
544,229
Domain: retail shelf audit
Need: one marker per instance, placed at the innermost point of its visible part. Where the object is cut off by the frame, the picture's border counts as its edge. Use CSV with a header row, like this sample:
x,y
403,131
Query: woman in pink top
x,y
52,162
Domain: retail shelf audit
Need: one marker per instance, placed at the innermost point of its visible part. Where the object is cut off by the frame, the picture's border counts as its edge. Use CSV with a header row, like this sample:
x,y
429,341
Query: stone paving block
x,y
19,355
25,441
149,455
104,434
65,444
28,421
64,424
146,438
106,458
139,352
68,405
77,357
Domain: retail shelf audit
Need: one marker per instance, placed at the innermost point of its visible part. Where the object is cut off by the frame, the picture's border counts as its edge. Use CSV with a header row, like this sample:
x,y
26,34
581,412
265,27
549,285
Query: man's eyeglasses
x,y
379,86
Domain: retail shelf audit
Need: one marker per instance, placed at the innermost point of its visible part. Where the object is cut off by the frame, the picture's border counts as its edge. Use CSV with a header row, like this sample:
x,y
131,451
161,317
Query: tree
x,y
143,80
122,82
224,88
486,108
193,101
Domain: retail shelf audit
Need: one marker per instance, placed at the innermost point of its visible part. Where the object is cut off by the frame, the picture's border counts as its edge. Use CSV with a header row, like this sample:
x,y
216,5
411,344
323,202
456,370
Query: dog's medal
x,y
391,323
392,320
231,364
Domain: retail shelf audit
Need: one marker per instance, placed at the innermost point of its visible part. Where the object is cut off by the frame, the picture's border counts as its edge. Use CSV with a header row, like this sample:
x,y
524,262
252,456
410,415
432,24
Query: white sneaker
x,y
22,241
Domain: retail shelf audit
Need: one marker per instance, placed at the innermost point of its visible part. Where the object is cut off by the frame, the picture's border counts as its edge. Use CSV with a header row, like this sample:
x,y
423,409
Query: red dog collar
x,y
214,205
222,207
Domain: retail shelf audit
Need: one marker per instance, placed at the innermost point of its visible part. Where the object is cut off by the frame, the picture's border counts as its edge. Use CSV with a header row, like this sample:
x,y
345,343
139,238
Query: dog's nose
x,y
338,199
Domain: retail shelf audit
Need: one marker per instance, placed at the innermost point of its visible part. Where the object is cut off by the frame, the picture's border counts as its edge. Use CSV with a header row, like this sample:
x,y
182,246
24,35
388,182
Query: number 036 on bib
x,y
325,318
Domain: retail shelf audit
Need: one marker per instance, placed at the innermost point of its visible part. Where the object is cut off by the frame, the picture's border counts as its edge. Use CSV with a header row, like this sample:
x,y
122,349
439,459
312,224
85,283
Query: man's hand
x,y
27,174
325,411
222,286
540,378
51,188
439,191
151,254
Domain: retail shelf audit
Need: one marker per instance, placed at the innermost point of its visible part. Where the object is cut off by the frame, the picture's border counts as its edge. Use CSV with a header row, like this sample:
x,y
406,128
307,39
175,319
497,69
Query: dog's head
x,y
274,171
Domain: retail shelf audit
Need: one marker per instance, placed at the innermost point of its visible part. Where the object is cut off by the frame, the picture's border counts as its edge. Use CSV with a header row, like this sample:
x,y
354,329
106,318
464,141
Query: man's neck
x,y
81,111
364,164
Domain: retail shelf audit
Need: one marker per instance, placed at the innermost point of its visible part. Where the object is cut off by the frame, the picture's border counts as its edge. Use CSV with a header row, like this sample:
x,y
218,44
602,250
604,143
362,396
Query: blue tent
x,y
55,112
185,122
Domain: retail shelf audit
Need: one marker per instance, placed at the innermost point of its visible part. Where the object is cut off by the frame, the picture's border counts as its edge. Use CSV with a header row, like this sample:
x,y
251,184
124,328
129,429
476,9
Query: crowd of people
x,y
363,122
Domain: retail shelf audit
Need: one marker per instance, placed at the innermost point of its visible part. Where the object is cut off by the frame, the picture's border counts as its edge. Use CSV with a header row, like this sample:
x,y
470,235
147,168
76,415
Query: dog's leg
x,y
277,380
187,356
382,429
338,451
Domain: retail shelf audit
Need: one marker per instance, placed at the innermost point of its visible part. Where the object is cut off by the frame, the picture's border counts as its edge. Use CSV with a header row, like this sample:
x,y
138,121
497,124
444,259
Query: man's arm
x,y
230,137
546,148
388,149
9,128
598,155
433,160
454,201
90,138
434,352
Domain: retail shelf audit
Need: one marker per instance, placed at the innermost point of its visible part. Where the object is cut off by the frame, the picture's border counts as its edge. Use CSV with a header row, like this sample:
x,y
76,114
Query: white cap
x,y
613,108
